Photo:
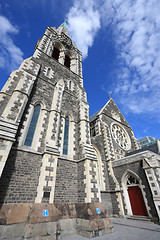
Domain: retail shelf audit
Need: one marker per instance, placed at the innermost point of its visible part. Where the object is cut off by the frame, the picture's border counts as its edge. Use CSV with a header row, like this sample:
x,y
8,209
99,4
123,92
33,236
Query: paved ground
x,y
125,229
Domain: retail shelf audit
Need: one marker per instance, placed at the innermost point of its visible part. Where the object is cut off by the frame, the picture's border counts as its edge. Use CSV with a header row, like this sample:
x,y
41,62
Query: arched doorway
x,y
133,195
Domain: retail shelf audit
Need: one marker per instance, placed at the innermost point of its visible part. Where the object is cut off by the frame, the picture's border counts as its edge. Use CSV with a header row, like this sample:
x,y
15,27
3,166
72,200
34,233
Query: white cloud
x,y
135,25
83,23
137,38
10,54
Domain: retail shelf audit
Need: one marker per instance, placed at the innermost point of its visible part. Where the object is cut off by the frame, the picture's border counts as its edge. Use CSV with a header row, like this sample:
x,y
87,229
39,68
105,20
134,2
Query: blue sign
x,y
45,213
98,210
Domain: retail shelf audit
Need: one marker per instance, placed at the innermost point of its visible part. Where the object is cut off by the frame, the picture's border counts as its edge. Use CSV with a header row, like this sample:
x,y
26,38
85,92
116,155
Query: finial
x,y
109,95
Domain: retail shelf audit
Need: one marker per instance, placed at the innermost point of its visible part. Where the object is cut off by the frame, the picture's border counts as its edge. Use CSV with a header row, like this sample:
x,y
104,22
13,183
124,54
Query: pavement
x,y
126,229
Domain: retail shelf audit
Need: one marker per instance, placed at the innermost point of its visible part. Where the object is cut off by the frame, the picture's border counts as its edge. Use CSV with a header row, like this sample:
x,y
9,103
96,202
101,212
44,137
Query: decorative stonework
x,y
91,182
120,136
115,115
45,190
119,153
131,179
108,145
33,67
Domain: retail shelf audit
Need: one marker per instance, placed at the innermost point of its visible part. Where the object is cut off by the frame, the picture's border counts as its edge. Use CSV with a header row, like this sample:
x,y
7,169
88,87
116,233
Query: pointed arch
x,y
70,60
33,125
66,136
70,85
134,197
100,170
58,48
128,173
48,72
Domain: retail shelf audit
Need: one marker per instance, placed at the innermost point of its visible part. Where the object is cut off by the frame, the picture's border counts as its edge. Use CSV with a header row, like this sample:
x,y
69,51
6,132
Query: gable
x,y
112,111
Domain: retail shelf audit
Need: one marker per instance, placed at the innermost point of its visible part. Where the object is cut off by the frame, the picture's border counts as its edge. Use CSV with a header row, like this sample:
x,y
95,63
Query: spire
x,y
64,24
63,28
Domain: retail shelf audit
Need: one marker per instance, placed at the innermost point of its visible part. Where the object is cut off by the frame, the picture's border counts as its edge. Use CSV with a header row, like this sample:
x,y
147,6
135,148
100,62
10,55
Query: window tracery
x,y
120,136
132,181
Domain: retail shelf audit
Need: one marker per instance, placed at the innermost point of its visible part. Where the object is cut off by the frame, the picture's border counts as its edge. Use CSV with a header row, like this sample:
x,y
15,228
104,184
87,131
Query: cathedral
x,y
56,163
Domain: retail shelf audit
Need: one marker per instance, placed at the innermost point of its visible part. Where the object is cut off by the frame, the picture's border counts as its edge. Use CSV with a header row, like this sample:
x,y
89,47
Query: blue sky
x,y
120,42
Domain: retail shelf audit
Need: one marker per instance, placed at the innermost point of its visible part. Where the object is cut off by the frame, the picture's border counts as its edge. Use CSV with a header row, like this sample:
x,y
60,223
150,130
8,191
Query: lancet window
x,y
56,53
66,136
32,127
67,61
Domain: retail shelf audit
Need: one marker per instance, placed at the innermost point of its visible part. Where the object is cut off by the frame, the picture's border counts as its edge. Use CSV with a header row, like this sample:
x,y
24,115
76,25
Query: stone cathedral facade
x,y
51,153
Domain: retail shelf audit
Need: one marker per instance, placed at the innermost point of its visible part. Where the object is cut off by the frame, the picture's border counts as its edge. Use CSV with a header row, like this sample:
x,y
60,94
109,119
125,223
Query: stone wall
x,y
20,177
66,188
137,168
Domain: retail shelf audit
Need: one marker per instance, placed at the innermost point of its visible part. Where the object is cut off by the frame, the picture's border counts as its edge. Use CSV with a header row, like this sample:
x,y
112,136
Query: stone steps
x,y
140,218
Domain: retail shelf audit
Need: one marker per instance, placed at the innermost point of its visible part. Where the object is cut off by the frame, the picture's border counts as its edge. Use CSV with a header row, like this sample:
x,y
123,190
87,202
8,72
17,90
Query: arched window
x,y
67,61
66,136
48,72
70,84
56,53
32,127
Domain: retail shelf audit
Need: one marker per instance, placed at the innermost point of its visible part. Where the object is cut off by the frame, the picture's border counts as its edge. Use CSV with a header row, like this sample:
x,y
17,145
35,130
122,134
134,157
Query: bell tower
x,y
48,167
47,112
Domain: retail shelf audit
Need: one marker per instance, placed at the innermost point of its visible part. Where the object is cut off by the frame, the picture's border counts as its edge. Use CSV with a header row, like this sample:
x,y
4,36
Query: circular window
x,y
120,136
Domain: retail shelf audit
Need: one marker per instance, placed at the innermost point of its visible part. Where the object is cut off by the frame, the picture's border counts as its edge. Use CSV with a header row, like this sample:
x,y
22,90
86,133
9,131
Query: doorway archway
x,y
133,195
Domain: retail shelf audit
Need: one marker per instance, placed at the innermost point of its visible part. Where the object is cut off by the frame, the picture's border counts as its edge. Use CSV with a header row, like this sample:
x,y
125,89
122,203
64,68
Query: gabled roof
x,y
107,110
94,116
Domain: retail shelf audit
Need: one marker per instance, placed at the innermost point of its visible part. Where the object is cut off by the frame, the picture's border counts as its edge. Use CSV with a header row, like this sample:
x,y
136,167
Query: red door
x,y
137,201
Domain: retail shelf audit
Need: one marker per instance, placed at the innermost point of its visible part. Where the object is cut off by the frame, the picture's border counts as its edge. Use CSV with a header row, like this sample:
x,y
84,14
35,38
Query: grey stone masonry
x,y
66,188
134,164
49,151
20,177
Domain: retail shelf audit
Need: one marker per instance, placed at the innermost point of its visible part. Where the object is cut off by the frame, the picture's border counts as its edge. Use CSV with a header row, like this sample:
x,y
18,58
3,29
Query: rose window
x,y
120,136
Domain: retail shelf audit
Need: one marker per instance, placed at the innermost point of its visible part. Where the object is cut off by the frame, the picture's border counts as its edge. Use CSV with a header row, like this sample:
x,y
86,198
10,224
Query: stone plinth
x,y
30,220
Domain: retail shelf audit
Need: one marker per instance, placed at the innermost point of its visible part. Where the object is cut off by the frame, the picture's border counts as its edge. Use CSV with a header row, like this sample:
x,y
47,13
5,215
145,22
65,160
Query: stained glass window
x,y
66,135
32,127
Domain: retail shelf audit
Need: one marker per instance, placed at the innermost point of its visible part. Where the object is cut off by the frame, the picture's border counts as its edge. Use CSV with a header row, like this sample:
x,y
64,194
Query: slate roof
x,y
94,116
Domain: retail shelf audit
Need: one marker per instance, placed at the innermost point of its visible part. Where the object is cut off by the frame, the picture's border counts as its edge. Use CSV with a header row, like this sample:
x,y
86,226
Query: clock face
x,y
120,136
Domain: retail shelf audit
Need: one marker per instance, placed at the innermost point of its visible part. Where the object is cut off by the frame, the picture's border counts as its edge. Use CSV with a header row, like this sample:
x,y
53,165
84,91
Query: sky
x,y
120,43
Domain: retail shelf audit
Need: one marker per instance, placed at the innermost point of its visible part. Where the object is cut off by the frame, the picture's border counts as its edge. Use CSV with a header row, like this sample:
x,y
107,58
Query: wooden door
x,y
137,201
